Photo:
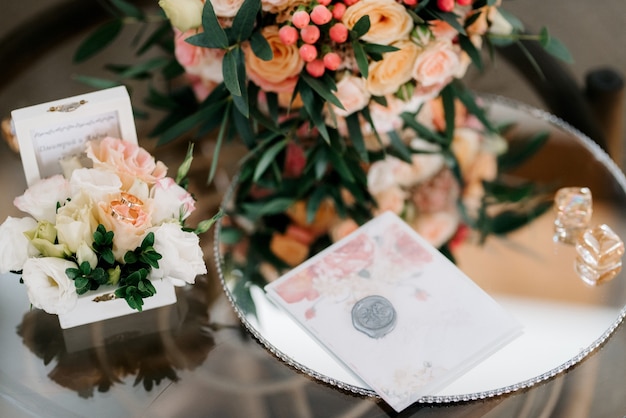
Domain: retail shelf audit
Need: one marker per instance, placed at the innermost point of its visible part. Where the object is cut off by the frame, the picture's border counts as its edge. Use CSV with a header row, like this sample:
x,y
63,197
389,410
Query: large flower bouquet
x,y
116,220
345,106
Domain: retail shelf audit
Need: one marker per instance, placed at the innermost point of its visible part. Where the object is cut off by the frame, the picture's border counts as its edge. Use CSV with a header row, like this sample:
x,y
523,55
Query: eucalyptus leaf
x,y
214,33
261,47
243,23
361,27
361,57
356,135
521,150
98,40
128,9
554,47
471,50
229,69
268,158
271,207
96,82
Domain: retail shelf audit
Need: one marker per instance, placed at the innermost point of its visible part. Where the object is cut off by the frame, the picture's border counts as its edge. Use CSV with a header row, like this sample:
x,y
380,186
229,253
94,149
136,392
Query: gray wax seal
x,y
374,316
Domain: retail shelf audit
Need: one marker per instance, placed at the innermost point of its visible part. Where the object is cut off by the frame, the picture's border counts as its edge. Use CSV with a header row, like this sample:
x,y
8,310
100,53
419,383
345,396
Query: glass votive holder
x,y
573,206
599,252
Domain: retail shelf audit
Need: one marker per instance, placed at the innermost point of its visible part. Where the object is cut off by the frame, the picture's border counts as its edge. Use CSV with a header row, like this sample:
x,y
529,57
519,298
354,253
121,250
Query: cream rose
x,y
76,222
437,64
170,201
47,285
40,200
182,259
279,74
389,20
389,74
352,94
391,199
15,248
466,145
184,14
128,160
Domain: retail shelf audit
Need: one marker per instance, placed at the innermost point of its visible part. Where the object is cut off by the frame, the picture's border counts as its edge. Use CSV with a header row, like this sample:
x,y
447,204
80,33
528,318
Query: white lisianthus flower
x,y
40,200
98,184
15,248
48,286
182,259
170,201
184,14
76,222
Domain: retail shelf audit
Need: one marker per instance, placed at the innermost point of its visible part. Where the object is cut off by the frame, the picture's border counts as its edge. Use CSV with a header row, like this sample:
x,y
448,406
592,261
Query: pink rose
x,y
438,63
188,55
40,200
127,160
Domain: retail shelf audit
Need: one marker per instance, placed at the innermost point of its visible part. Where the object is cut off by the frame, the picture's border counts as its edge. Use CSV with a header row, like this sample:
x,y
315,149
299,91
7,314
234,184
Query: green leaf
x,y
218,143
148,241
130,257
268,158
98,40
450,18
321,88
96,82
449,111
231,65
361,27
520,151
271,207
212,28
356,136
139,70
472,51
128,9
554,47
361,57
468,100
243,23
399,146
261,47
378,49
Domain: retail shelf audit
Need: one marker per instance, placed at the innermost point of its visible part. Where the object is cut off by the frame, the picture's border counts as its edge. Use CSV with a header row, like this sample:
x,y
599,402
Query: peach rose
x,y
342,229
389,74
437,64
226,8
437,228
353,95
389,20
466,145
279,74
128,160
128,225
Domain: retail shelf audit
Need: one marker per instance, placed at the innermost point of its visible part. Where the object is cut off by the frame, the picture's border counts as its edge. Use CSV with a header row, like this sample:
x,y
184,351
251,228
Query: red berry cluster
x,y
312,27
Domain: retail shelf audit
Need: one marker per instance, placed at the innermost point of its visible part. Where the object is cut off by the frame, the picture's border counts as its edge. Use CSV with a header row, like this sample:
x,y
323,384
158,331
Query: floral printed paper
x,y
444,324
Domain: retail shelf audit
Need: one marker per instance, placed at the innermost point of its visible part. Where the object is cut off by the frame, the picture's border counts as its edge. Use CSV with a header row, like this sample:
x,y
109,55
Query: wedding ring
x,y
131,200
125,215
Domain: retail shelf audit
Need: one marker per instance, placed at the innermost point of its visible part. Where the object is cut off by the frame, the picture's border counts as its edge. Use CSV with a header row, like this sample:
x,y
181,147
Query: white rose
x,y
96,183
40,200
170,201
382,174
48,286
499,24
184,14
182,259
76,222
15,248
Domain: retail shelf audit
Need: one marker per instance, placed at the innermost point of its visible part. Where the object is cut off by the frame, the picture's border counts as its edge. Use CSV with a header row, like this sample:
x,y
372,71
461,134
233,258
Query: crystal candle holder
x,y
573,206
599,252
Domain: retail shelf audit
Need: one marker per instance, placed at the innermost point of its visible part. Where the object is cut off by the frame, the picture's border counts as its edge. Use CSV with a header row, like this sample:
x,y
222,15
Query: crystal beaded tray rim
x,y
585,352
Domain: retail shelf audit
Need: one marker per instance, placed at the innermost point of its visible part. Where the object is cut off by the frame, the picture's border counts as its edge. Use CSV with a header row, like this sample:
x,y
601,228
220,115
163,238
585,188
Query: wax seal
x,y
374,316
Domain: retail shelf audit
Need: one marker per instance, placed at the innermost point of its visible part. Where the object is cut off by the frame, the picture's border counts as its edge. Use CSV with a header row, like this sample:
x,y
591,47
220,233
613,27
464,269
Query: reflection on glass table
x,y
526,271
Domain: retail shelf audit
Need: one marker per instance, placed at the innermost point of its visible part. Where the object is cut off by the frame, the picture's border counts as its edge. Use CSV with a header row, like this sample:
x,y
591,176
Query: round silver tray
x,y
530,275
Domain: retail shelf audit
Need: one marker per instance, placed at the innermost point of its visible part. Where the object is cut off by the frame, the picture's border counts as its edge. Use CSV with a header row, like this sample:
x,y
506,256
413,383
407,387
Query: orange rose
x,y
389,74
389,20
279,74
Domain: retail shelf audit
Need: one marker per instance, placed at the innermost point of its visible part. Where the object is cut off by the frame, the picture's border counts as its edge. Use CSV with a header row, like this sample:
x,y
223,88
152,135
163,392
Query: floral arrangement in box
x,y
116,221
325,94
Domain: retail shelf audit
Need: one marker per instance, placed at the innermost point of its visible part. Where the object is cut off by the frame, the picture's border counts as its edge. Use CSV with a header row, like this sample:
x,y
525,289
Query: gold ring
x,y
131,200
130,216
